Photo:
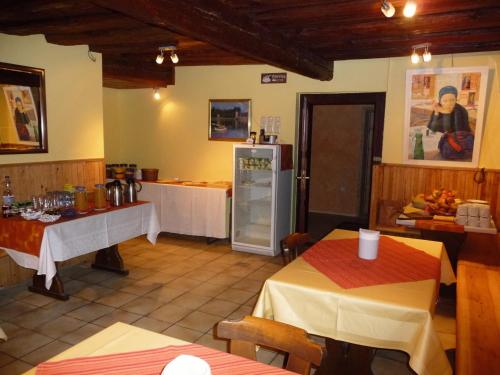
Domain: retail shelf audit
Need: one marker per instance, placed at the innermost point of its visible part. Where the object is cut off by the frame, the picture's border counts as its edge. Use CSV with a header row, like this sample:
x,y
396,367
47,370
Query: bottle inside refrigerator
x,y
261,197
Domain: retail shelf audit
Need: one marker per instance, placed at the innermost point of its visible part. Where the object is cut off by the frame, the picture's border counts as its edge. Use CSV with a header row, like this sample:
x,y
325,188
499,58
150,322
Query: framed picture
x,y
230,119
444,116
23,124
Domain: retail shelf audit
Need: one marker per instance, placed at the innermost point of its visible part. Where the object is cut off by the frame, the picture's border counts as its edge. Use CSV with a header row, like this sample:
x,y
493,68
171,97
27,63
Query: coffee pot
x,y
131,189
114,193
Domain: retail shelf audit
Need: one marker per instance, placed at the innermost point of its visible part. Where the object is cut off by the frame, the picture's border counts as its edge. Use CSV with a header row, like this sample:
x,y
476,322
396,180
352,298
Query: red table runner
x,y
26,236
396,263
152,362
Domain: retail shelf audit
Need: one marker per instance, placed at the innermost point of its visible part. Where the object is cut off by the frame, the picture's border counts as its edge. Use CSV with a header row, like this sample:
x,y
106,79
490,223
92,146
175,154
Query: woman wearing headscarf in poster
x,y
22,120
452,119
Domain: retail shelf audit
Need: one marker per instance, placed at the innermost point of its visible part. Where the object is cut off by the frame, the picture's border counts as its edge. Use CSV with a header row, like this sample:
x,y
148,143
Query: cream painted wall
x,y
172,134
73,93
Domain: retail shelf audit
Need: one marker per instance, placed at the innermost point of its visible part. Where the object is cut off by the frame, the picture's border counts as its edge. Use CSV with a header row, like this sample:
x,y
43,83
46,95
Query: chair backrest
x,y
292,244
245,334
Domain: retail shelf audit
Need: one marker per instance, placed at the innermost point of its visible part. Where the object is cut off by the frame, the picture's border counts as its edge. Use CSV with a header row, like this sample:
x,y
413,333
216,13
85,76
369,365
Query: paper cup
x,y
484,211
368,244
461,220
473,210
462,210
473,221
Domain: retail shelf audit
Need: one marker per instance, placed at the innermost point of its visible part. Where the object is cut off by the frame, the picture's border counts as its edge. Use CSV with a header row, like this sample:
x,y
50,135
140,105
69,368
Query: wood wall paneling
x,y
397,182
30,179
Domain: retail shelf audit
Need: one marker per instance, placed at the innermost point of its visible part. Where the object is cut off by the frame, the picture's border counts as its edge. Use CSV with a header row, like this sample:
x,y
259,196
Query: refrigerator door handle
x,y
303,178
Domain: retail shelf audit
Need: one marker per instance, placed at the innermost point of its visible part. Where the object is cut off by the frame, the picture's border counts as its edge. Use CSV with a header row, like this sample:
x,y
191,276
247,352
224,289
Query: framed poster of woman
x,y
23,127
444,116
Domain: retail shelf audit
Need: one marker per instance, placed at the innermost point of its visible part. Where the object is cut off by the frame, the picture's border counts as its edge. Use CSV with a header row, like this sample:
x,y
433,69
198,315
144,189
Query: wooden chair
x,y
250,331
292,245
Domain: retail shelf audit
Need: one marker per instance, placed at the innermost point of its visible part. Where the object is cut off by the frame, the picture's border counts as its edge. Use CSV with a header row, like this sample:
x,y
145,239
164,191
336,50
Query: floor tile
x,y
265,355
81,334
138,273
184,283
142,305
116,316
45,352
209,340
116,299
15,368
93,292
118,283
5,359
236,295
74,286
13,309
63,307
90,312
225,280
182,333
170,313
385,366
199,321
152,324
219,307
208,289
12,330
249,285
60,326
24,344
96,276
241,313
191,301
35,318
165,294
37,299
140,287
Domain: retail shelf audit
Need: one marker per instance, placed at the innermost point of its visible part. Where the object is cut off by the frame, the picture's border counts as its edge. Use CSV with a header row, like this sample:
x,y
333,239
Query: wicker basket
x,y
149,174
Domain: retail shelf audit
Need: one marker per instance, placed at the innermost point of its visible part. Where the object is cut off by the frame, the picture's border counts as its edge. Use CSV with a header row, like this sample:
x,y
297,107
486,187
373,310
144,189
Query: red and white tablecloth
x,y
68,239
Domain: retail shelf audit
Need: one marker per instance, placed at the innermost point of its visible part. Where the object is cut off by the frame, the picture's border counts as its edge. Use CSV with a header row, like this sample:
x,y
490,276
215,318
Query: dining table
x,y
386,303
125,349
39,246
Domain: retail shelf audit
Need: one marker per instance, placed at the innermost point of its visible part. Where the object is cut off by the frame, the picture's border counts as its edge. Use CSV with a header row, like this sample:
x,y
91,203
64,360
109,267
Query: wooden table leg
x,y
345,358
56,289
109,259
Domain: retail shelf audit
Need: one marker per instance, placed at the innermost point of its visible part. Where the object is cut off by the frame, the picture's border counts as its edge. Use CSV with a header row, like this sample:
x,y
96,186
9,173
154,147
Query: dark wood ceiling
x,y
302,36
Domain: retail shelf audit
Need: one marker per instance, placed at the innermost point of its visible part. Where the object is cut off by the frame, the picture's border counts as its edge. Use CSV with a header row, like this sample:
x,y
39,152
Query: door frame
x,y
306,105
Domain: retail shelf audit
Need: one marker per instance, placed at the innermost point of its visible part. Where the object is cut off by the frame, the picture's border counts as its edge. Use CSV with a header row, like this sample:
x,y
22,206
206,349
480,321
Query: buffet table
x,y
69,238
192,209
393,315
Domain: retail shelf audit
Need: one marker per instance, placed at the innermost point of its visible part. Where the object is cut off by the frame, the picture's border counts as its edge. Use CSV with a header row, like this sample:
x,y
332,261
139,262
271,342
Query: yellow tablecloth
x,y
393,316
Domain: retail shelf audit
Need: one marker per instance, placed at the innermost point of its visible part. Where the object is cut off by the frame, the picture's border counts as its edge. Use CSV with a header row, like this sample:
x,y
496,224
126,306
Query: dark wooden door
x,y
373,145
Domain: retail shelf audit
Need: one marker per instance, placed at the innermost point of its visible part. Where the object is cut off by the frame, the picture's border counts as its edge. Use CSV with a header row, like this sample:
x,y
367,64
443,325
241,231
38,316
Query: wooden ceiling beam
x,y
69,25
141,35
217,24
353,45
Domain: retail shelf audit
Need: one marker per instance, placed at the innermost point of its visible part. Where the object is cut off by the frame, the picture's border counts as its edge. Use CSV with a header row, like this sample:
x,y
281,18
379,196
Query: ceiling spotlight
x,y
426,56
387,8
174,57
415,58
159,58
156,94
410,8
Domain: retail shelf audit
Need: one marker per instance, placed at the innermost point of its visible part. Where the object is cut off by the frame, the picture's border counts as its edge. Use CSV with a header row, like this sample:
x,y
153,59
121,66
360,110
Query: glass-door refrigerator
x,y
261,197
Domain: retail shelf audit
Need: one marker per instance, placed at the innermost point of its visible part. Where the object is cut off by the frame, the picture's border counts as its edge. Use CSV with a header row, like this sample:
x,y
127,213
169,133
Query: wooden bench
x,y
478,306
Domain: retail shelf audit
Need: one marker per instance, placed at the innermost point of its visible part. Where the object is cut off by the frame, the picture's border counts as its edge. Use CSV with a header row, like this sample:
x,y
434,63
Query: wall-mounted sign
x,y
273,78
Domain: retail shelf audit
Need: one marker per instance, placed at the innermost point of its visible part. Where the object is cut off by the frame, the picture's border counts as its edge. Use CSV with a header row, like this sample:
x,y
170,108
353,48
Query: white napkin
x,y
187,365
3,336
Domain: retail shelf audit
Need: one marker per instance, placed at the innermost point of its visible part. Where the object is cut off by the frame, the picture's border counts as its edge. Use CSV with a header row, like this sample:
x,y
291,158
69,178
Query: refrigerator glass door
x,y
253,188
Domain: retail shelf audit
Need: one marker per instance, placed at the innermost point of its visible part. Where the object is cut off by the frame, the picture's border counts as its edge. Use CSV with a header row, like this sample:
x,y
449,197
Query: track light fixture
x,y
173,55
410,8
426,56
387,8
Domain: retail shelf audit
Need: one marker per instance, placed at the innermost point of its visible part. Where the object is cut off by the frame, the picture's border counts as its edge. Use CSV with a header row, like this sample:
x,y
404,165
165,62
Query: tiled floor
x,y
181,287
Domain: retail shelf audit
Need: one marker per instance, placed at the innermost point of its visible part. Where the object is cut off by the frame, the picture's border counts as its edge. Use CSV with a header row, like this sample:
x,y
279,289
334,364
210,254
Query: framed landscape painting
x,y
444,114
23,127
229,119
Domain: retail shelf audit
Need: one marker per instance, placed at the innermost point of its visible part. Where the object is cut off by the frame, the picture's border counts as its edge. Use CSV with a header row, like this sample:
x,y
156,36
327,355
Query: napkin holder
x,y
368,244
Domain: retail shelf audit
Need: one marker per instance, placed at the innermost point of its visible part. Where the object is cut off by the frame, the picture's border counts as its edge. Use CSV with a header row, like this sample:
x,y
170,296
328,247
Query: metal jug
x,y
116,196
131,189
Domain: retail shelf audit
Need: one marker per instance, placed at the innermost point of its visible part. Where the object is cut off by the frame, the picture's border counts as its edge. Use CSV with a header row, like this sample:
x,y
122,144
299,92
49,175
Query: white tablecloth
x,y
3,336
192,210
73,238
